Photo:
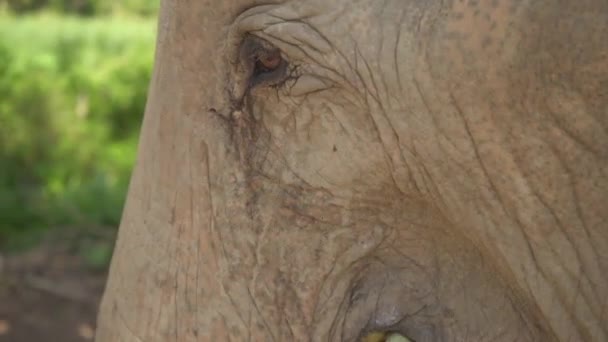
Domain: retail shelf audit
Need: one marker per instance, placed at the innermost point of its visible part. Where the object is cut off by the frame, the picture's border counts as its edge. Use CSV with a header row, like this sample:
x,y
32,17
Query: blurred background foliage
x,y
85,7
73,81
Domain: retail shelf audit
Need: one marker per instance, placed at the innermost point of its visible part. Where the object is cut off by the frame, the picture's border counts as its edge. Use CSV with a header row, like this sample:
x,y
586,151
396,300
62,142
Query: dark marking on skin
x,y
473,3
335,149
458,36
487,41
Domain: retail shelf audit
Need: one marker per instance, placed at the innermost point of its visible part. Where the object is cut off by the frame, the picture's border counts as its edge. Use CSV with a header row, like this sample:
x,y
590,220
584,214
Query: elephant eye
x,y
267,62
264,63
269,68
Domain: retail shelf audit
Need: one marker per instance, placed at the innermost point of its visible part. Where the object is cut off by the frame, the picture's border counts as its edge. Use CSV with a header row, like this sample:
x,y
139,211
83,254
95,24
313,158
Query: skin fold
x,y
334,170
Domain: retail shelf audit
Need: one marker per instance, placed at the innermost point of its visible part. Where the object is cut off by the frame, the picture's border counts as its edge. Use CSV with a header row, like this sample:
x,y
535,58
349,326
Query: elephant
x,y
399,170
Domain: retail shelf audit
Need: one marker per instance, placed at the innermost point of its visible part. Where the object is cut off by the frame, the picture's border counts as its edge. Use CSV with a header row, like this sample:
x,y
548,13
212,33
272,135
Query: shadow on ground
x,y
50,293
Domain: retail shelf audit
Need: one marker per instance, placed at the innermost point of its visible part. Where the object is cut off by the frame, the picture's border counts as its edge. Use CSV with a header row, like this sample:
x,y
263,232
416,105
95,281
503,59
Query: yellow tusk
x,y
384,337
397,338
375,337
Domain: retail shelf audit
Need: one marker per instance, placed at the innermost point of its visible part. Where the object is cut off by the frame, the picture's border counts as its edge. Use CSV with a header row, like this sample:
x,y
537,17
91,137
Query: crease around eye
x,y
308,84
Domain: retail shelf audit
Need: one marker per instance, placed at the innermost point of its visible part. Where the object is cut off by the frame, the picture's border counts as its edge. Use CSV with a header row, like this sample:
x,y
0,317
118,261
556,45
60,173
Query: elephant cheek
x,y
166,270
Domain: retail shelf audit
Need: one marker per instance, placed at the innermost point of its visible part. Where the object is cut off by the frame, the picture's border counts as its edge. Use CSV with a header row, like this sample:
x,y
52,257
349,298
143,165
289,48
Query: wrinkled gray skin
x,y
436,168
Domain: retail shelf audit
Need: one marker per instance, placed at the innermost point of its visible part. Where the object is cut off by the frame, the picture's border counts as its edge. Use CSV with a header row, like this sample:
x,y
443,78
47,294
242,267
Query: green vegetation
x,y
72,94
84,7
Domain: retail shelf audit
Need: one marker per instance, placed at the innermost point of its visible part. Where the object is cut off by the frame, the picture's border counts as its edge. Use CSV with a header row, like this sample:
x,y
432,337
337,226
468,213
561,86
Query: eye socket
x,y
263,62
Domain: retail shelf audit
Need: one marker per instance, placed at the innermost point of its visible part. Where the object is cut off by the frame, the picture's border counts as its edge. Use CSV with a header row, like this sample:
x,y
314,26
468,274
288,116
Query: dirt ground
x,y
48,294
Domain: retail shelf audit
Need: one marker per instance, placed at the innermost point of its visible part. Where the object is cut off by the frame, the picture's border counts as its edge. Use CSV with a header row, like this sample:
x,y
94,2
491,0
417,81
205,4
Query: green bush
x,y
85,7
72,94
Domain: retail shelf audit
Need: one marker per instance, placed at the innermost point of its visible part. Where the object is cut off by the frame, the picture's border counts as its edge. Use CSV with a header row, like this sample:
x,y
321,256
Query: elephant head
x,y
314,170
